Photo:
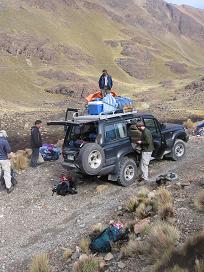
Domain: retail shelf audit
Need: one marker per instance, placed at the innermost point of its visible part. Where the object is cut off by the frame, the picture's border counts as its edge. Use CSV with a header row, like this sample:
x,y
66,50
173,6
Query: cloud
x,y
194,3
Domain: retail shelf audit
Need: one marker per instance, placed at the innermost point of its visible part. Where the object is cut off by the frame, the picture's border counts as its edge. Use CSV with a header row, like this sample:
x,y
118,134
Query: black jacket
x,y
36,140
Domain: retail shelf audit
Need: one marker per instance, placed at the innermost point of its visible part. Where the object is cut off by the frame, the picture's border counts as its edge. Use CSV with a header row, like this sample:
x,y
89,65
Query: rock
x,y
83,257
102,264
82,226
121,265
185,184
148,209
151,194
120,208
108,257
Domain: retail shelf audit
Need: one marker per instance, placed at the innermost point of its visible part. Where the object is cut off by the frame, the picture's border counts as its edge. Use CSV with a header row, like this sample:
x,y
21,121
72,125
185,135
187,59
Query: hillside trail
x,y
33,221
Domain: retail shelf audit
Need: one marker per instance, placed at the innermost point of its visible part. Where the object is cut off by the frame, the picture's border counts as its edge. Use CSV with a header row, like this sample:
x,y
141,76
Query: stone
x,y
120,208
108,257
141,225
121,265
148,209
185,184
83,257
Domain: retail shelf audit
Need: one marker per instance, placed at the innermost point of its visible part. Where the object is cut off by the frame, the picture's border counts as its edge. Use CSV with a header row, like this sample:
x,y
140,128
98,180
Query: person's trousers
x,y
144,163
6,167
104,92
34,156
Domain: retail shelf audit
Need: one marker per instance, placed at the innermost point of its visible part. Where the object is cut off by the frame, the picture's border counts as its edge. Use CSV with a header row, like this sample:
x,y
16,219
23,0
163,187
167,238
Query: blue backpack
x,y
102,243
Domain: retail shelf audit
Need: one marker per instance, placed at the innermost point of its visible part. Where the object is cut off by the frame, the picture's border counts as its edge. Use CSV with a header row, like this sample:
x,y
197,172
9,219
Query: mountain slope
x,y
62,46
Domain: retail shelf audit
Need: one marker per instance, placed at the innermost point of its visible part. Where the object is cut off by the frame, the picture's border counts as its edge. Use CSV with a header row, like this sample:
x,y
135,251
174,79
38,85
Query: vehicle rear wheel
x,y
127,172
91,158
178,150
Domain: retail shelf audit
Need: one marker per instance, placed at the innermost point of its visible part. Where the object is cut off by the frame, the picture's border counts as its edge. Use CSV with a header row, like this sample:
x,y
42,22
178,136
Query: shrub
x,y
67,254
141,211
176,269
40,264
132,204
199,201
166,211
161,239
132,248
163,196
88,264
84,245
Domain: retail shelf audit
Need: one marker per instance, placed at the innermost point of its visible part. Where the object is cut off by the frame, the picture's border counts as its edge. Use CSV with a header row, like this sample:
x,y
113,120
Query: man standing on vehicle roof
x,y
147,146
36,142
5,164
105,83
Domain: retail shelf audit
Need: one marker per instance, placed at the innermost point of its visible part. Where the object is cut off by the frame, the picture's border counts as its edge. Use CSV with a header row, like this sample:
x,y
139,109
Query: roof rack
x,y
101,116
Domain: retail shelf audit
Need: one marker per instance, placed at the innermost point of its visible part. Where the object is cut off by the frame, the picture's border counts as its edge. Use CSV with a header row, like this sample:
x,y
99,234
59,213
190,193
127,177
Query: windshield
x,y
77,135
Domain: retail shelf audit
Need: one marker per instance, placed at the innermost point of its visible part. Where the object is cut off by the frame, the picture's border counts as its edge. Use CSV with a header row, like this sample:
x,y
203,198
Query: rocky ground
x,y
34,221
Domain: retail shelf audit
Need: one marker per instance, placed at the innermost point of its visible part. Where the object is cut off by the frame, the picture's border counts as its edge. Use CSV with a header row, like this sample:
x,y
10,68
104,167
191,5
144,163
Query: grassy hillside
x,y
85,39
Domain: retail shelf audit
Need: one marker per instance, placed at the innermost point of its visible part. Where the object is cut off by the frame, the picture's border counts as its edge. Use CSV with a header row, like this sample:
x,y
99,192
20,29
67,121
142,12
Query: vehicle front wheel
x,y
127,172
178,150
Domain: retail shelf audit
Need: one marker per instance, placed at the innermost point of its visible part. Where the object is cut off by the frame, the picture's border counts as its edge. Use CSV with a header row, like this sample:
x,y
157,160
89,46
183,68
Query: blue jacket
x,y
5,149
101,82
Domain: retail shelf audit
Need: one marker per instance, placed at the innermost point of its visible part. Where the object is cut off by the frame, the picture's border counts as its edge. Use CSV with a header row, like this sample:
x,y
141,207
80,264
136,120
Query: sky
x,y
194,3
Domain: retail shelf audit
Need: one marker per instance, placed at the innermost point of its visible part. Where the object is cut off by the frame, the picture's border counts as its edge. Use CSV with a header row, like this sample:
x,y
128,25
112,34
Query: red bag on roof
x,y
98,94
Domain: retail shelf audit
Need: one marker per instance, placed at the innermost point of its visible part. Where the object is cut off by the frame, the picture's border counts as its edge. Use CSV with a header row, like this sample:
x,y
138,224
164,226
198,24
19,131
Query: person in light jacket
x,y
5,164
105,83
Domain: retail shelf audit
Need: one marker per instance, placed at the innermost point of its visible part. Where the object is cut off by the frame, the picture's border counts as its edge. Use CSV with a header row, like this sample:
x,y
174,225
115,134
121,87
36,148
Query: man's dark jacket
x,y
5,149
102,82
36,140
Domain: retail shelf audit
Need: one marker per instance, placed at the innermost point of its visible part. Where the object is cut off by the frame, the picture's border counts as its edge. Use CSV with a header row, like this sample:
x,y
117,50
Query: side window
x,y
110,132
151,125
121,130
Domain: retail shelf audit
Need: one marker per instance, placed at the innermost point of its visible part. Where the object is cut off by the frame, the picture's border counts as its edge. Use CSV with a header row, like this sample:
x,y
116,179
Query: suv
x,y
100,145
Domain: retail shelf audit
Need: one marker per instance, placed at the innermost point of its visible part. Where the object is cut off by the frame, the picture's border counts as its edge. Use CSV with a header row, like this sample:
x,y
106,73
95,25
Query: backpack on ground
x,y
102,243
65,186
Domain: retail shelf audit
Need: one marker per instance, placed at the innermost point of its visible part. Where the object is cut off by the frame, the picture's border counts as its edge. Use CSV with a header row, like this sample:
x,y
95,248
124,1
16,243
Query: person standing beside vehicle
x,y
105,83
147,147
36,142
5,164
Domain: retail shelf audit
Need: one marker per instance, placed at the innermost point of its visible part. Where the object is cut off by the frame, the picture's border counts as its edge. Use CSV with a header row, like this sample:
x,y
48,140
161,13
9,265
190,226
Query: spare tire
x,y
91,158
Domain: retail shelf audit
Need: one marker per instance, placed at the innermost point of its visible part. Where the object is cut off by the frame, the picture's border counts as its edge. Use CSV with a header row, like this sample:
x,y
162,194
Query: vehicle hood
x,y
173,127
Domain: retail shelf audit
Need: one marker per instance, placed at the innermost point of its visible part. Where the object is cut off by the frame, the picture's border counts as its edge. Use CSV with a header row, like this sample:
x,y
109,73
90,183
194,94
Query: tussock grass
x,y
189,256
140,211
160,240
88,264
163,196
132,204
67,254
84,245
132,248
176,269
199,201
40,263
188,124
166,211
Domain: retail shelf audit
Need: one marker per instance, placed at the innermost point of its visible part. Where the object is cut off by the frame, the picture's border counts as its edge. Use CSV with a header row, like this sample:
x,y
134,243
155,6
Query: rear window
x,y
76,135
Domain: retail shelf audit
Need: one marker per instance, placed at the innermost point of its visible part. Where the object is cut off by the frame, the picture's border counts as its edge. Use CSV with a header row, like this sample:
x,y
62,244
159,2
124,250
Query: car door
x,y
153,126
116,139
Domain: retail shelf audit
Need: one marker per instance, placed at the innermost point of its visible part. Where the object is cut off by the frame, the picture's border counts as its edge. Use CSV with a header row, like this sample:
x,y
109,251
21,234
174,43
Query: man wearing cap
x,y
105,83
5,164
147,146
36,142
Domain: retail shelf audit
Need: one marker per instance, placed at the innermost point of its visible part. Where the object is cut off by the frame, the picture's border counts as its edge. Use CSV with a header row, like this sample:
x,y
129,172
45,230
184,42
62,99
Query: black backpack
x,y
64,187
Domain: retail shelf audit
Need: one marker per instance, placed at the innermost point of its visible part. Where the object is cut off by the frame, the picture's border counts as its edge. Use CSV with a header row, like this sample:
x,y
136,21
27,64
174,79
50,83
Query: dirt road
x,y
34,221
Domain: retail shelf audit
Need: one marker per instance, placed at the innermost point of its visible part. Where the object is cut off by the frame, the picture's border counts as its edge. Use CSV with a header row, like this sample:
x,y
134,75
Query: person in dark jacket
x,y
5,164
147,146
36,142
105,83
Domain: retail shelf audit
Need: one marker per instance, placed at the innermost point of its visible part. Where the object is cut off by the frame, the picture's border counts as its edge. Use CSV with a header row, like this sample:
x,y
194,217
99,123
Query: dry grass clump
x,y
176,269
132,248
141,211
132,204
189,256
161,239
40,263
199,265
20,160
84,245
199,201
163,196
143,192
166,211
67,254
188,124
87,264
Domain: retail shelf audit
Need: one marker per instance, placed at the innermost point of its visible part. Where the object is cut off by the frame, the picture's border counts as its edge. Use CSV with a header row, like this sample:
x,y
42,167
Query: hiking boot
x,y
10,189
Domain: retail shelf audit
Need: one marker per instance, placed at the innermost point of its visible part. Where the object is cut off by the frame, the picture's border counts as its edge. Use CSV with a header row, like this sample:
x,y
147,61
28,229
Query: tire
x,y
91,159
178,150
127,172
